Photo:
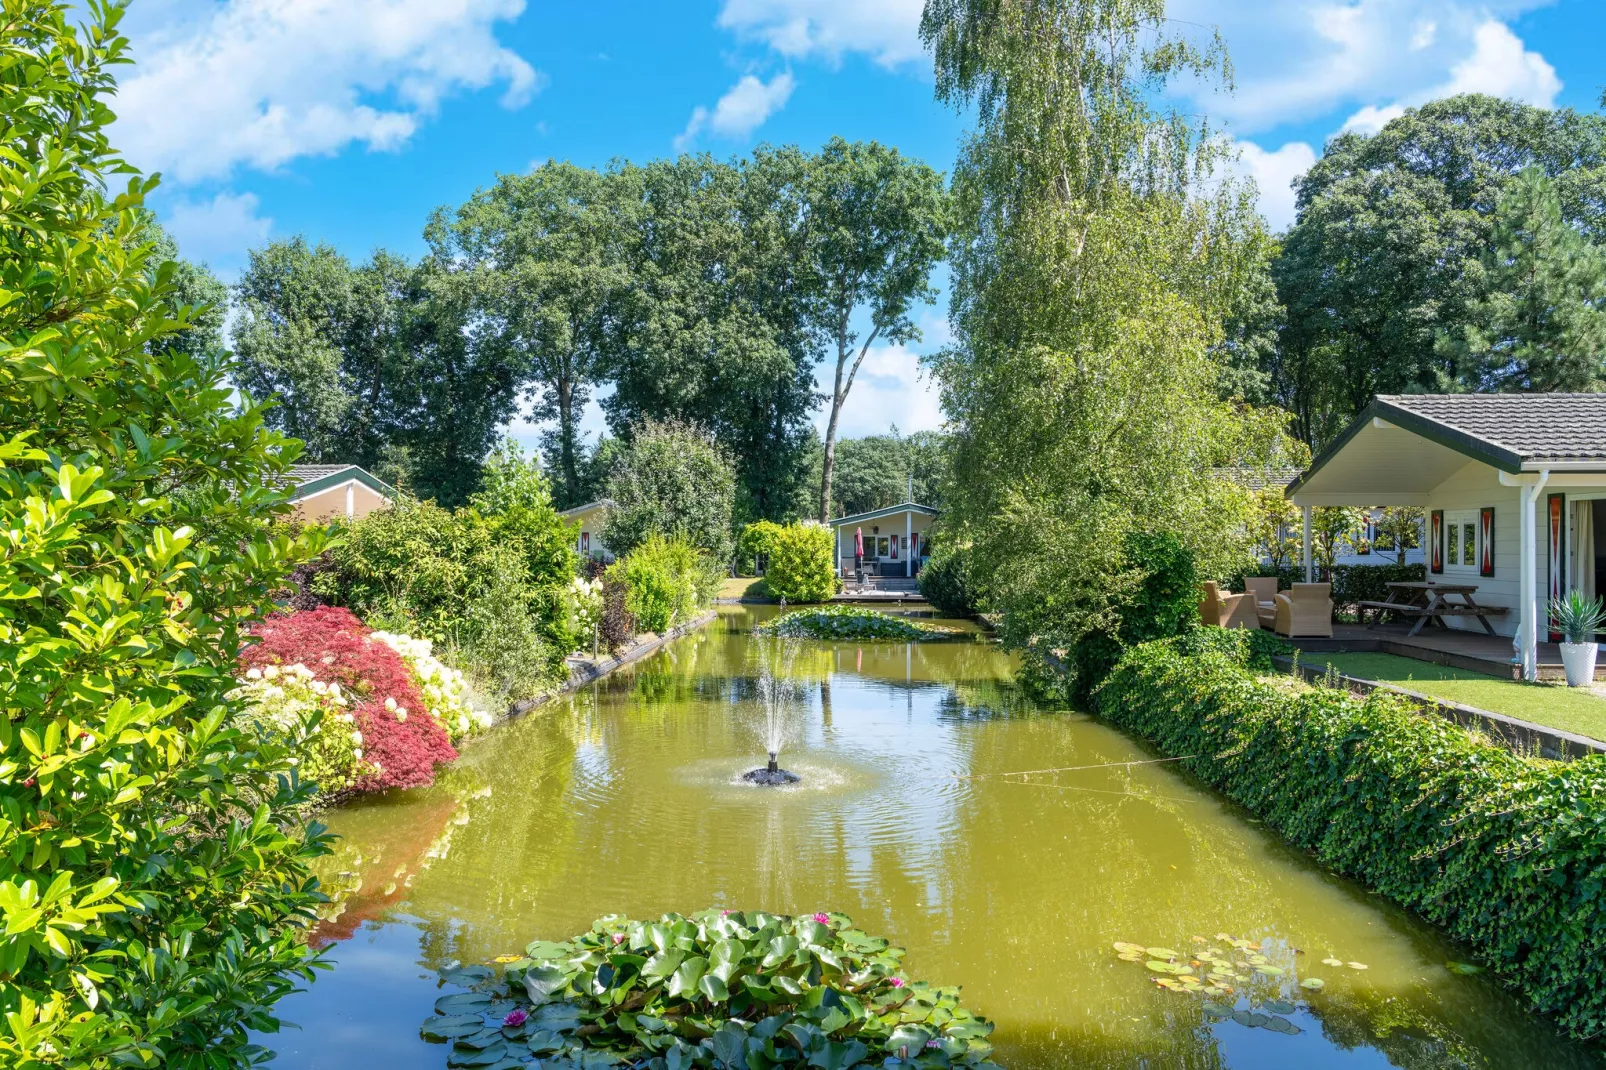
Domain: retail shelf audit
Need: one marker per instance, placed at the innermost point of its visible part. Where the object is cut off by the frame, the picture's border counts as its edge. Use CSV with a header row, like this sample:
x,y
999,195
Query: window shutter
x,y
1436,540
1486,531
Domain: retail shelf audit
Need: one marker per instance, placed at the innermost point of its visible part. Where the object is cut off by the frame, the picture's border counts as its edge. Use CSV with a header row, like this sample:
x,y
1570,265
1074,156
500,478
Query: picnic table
x,y
1429,601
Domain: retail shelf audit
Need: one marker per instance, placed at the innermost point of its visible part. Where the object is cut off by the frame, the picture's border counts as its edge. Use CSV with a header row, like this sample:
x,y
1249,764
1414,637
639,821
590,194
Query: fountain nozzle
x,y
774,766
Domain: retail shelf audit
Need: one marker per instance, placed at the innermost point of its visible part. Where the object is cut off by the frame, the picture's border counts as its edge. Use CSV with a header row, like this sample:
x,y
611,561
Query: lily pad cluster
x,y
718,989
851,622
1224,970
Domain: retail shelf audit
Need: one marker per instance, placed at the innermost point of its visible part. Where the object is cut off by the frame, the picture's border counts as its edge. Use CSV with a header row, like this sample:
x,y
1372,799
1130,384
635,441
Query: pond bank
x,y
586,670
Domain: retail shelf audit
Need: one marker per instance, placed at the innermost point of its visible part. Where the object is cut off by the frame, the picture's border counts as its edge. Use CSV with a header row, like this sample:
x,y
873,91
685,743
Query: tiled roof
x,y
1257,479
1533,427
302,474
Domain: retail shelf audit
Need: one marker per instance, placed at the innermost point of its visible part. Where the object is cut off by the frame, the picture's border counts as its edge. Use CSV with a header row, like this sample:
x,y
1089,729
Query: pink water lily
x,y
895,982
618,938
515,1018
823,918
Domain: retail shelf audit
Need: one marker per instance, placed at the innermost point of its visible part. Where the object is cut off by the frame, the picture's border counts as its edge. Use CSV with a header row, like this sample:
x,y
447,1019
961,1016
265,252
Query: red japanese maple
x,y
334,644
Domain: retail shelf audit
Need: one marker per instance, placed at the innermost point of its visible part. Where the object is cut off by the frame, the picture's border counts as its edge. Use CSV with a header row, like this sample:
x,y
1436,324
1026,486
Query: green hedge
x,y
802,566
945,582
1507,854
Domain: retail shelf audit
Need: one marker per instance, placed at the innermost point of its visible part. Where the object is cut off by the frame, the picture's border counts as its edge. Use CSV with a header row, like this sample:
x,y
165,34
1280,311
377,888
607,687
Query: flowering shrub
x,y
584,598
402,750
313,715
445,692
718,989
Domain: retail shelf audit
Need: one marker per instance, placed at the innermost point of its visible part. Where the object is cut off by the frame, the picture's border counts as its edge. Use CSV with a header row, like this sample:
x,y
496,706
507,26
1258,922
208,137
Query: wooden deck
x,y
1474,651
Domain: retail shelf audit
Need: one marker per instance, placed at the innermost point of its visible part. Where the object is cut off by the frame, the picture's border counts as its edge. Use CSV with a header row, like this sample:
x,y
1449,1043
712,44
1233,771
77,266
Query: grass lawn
x,y
1554,705
744,587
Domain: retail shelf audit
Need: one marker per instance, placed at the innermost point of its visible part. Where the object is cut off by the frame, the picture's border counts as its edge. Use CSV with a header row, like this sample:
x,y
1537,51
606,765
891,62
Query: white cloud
x,y
218,230
742,109
258,83
891,388
887,30
1371,119
1273,173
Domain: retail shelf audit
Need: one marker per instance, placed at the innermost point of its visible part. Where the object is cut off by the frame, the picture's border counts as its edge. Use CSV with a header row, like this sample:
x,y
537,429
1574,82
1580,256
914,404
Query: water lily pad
x,y
1463,968
1313,984
1161,953
1356,965
1131,956
1331,961
1271,971
1277,1006
1169,983
1217,1010
1282,1025
451,1026
1123,947
1167,967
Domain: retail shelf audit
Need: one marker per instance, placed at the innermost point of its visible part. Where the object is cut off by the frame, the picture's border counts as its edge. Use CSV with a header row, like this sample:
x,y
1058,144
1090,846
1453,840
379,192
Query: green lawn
x,y
744,587
1554,705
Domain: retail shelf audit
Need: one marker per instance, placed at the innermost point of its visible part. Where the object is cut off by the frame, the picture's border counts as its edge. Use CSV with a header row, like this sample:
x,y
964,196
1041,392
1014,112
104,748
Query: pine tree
x,y
1538,324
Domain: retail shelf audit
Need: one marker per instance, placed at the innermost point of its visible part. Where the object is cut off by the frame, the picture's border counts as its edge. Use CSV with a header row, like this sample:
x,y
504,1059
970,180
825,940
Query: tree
x,y
1092,269
547,254
877,222
674,481
1274,516
881,470
1333,527
1537,322
154,860
1400,528
193,287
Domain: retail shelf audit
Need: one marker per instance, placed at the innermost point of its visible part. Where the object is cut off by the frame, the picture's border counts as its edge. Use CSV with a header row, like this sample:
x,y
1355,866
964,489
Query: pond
x,y
626,798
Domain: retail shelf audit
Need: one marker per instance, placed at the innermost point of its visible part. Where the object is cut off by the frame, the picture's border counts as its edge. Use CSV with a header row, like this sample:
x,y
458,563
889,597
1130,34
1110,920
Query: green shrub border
x,y
1505,853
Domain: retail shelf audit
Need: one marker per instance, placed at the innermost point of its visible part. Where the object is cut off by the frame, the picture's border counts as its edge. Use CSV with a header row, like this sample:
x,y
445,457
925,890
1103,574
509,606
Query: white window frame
x,y
1460,522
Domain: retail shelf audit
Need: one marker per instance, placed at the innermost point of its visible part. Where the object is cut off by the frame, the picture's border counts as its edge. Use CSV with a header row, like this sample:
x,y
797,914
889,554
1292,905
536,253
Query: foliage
x,y
510,640
945,582
1164,602
1399,528
850,623
876,225
1252,647
671,480
1332,528
666,581
1502,851
1577,617
1275,523
585,604
618,623
1536,321
309,716
154,879
401,743
802,563
881,470
1353,584
444,690
1264,974
721,988
755,542
1388,251
1098,253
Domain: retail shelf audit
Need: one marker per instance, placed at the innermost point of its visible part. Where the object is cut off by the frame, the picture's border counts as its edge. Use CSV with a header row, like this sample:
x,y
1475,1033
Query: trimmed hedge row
x,y
1507,854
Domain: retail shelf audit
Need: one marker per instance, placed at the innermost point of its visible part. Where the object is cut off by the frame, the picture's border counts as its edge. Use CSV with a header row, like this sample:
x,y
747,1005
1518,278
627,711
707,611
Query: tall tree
x,y
876,226
547,250
1092,269
1537,323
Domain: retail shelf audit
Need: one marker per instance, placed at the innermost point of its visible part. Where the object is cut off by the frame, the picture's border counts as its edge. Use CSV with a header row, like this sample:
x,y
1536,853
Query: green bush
x,y
755,542
666,582
674,481
154,879
802,565
718,989
945,582
1353,584
1506,853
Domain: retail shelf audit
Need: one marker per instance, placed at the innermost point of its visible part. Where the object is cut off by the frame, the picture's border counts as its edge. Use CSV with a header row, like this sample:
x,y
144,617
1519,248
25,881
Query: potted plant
x,y
1578,619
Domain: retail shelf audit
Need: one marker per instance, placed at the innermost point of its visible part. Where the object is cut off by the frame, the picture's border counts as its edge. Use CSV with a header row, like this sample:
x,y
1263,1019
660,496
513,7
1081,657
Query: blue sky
x,y
348,121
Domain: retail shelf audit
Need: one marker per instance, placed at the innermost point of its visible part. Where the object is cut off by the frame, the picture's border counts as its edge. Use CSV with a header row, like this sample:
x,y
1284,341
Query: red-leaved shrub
x,y
335,646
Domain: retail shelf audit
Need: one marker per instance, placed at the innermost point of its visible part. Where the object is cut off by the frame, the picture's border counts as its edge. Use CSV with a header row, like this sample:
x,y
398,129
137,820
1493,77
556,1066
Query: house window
x,y
1461,541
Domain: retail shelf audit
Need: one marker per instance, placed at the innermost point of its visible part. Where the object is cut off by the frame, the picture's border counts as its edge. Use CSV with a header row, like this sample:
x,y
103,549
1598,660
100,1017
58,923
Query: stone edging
x,y
590,671
1513,732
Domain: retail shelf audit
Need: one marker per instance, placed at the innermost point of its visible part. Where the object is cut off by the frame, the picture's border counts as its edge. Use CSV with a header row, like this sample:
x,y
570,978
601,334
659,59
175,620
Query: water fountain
x,y
776,695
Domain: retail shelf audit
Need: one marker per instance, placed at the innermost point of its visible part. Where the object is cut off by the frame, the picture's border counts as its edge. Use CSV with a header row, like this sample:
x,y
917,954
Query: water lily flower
x,y
515,1018
618,938
895,982
823,918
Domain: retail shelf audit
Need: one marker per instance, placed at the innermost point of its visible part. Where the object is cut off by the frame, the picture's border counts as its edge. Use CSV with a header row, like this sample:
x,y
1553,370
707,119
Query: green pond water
x,y
625,798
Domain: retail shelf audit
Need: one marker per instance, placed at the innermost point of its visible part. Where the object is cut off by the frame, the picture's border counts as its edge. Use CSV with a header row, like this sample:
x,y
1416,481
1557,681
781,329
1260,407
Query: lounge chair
x,y
1223,609
1264,588
1306,611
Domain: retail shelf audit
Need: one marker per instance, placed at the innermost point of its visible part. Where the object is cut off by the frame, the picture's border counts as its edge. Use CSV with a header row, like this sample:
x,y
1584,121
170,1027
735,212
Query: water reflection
x,y
626,798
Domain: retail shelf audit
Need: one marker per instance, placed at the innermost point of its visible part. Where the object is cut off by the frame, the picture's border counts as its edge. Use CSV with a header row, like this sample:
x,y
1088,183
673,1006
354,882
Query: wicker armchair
x,y
1306,611
1223,609
1264,588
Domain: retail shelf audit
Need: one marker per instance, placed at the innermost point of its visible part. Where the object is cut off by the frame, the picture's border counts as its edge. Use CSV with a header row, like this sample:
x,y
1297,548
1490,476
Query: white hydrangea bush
x,y
446,692
584,598
288,702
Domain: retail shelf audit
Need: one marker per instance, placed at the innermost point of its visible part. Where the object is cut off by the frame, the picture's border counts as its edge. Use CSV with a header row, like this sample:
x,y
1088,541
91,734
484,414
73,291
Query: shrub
x,y
154,879
671,480
1505,852
1353,584
756,541
802,565
945,582
446,695
666,582
308,715
401,741
618,623
850,622
1163,603
718,989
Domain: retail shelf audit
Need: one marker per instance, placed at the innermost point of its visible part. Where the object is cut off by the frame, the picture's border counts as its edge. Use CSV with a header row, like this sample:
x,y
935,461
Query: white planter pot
x,y
1579,661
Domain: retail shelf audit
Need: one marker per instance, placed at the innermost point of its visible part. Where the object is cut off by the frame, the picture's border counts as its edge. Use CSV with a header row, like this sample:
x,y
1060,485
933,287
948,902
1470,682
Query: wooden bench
x,y
1384,607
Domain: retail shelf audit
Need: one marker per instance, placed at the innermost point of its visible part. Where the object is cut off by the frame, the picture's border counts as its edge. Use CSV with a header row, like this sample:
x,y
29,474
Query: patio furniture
x,y
1223,609
1428,601
1305,611
1264,589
